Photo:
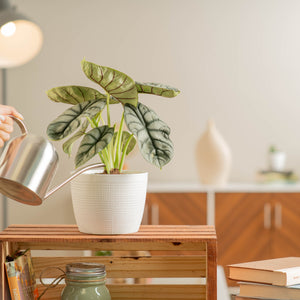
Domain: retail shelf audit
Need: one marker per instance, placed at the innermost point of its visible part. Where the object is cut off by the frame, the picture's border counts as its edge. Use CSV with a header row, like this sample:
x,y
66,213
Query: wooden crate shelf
x,y
197,260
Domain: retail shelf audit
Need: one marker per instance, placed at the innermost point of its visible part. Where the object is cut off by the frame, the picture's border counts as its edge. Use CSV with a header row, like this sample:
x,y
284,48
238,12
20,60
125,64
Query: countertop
x,y
228,188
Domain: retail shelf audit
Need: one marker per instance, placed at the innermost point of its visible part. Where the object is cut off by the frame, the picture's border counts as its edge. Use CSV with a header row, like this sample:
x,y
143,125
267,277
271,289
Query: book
x,y
20,276
251,298
270,176
278,271
263,291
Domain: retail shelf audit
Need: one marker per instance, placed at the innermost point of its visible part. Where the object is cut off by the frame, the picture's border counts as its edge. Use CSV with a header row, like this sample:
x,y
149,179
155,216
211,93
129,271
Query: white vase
x,y
213,157
109,203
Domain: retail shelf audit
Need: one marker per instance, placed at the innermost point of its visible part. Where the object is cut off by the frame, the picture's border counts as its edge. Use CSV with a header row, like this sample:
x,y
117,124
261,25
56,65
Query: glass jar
x,y
85,281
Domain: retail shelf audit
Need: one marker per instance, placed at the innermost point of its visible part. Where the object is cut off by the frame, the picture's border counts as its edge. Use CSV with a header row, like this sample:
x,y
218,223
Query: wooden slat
x,y
143,228
121,246
4,291
211,282
143,292
158,292
131,267
146,232
31,236
170,237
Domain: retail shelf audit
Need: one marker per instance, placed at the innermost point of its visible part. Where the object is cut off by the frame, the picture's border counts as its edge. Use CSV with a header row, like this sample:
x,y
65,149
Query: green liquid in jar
x,y
85,281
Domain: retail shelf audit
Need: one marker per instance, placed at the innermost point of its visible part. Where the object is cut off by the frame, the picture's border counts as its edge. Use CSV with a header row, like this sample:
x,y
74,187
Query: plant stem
x,y
102,159
109,149
107,108
101,119
124,153
120,137
105,157
98,118
92,122
117,146
113,148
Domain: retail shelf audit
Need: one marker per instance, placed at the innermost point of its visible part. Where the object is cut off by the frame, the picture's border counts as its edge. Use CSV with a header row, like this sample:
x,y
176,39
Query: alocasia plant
x,y
84,119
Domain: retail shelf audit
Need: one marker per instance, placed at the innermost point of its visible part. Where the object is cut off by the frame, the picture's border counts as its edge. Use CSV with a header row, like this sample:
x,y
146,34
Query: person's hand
x,y
6,123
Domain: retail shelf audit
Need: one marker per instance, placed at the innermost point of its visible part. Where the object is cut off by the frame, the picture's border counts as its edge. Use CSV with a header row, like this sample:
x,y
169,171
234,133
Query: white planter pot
x,y
277,161
109,203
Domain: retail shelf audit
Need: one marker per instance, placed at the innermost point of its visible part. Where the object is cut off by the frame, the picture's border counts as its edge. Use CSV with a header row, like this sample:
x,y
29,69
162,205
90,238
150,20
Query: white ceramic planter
x,y
109,204
277,161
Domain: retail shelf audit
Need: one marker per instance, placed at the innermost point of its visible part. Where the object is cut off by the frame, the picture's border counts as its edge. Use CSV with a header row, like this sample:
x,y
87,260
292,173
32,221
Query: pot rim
x,y
99,171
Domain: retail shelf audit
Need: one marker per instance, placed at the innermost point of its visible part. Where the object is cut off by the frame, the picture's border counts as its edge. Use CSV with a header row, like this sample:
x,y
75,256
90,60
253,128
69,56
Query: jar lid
x,y
85,269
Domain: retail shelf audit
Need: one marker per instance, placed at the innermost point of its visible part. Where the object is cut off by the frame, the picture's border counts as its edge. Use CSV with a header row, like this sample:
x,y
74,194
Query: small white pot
x,y
277,161
109,203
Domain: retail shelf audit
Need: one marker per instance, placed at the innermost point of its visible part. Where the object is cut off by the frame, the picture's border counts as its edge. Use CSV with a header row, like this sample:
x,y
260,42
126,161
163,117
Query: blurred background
x,y
236,62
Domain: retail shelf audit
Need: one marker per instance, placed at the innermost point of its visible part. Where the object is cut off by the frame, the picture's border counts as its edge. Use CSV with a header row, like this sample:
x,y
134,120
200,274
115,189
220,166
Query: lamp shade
x,y
20,38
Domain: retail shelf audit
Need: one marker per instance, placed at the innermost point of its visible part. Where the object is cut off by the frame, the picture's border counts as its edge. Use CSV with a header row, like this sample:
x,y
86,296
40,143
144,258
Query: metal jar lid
x,y
85,269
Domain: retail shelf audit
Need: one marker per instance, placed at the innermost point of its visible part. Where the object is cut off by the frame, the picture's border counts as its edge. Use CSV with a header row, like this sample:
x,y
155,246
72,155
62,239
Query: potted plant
x,y
110,202
277,159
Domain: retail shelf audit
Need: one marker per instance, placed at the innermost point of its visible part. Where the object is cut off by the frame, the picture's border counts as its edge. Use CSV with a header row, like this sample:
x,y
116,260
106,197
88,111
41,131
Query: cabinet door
x,y
286,225
176,208
243,222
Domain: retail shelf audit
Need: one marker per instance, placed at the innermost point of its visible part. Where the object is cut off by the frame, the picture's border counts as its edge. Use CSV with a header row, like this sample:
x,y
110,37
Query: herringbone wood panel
x,y
286,238
240,228
179,208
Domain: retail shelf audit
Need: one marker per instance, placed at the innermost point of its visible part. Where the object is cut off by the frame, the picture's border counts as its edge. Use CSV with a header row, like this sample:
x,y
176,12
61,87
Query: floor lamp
x,y
20,41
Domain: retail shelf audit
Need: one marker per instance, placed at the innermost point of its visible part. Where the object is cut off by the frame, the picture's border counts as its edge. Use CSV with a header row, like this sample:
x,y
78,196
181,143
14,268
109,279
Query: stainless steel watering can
x,y
27,166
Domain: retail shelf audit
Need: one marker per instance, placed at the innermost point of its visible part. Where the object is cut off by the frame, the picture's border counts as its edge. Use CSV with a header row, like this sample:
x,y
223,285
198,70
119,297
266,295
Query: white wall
x,y
237,61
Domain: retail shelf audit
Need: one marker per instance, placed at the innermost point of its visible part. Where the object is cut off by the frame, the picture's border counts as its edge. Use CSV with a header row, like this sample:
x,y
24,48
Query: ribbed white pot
x,y
109,203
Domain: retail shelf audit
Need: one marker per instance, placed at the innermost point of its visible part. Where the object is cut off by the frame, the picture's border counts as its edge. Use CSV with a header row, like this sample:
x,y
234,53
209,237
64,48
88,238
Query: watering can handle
x,y
20,124
89,167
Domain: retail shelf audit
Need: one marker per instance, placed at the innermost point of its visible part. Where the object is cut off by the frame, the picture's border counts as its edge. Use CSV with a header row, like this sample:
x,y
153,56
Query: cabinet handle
x,y
278,216
154,214
267,216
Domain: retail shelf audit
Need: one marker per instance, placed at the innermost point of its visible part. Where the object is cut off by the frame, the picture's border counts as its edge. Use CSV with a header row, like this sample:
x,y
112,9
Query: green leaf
x,y
113,100
152,134
125,136
74,94
157,89
115,83
93,142
70,120
67,146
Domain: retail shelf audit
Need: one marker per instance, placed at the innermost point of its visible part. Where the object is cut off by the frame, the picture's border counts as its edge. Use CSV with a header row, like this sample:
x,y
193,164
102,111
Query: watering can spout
x,y
80,171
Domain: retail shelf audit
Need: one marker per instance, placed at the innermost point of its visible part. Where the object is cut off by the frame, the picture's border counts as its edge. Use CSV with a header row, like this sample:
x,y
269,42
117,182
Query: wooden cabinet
x,y
253,223
254,226
286,227
175,209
